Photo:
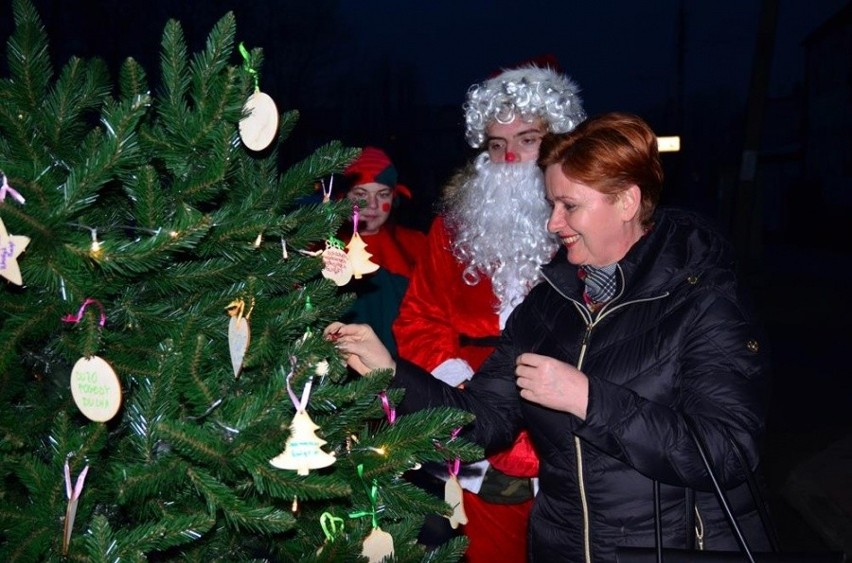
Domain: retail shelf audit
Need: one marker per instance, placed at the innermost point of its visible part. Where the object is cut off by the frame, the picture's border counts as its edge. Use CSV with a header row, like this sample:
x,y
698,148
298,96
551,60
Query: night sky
x,y
623,53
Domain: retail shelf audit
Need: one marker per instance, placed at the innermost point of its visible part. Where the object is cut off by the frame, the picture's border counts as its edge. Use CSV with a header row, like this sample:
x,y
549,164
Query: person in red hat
x,y
375,190
484,253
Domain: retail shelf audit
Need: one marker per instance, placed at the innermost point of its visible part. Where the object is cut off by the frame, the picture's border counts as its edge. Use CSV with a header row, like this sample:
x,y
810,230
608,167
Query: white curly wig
x,y
530,92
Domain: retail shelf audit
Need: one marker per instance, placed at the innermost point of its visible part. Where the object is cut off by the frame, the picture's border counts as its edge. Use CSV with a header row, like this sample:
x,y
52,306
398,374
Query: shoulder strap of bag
x,y
717,487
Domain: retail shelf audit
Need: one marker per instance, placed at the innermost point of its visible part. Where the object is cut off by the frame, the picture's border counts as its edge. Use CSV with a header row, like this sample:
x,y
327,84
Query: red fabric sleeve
x,y
439,307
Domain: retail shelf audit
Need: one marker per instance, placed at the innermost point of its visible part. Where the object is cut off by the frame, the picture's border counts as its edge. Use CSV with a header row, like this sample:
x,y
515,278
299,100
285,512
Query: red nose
x,y
510,157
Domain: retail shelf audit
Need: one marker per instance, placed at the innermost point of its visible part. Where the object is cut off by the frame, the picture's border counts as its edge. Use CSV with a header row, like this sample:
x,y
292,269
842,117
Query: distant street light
x,y
669,144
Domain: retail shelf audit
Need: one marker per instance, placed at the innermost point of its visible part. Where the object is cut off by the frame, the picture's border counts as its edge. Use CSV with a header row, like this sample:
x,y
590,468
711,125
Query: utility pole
x,y
748,201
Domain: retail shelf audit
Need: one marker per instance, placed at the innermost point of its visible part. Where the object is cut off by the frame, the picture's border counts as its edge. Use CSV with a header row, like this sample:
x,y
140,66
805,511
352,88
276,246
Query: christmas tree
x,y
162,327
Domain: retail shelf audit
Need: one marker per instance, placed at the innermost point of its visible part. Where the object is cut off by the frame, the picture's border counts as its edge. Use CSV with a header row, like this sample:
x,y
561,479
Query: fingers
x,y
529,359
331,331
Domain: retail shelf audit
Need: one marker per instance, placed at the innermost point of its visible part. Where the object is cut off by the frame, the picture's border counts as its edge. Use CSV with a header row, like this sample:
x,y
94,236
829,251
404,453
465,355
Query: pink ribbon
x,y
390,412
453,467
71,511
74,494
356,212
7,189
69,318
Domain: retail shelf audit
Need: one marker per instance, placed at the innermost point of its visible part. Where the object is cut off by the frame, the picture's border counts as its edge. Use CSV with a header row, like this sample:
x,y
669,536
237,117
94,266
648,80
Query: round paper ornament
x,y
337,266
95,389
259,127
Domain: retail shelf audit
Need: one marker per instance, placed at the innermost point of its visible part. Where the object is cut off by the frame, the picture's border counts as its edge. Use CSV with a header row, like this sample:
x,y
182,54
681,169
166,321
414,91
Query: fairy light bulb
x,y
95,249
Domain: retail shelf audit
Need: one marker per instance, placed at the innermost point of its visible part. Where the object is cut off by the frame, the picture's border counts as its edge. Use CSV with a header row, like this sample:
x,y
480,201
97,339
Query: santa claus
x,y
483,256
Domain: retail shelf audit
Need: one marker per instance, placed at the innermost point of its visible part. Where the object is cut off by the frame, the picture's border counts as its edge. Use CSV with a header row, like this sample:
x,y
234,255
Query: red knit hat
x,y
373,165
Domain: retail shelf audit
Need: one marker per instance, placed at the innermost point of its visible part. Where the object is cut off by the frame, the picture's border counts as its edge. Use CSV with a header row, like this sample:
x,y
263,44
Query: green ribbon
x,y
335,242
247,66
332,526
373,494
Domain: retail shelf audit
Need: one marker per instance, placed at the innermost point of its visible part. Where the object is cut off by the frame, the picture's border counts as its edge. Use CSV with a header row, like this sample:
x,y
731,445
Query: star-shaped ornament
x,y
11,247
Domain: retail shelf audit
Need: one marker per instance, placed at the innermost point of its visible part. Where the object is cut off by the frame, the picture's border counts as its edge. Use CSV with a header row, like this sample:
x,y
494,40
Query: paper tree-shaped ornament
x,y
359,258
303,451
11,247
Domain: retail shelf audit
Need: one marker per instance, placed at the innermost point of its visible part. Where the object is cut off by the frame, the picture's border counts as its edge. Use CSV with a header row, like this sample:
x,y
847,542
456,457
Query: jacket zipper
x,y
587,551
590,324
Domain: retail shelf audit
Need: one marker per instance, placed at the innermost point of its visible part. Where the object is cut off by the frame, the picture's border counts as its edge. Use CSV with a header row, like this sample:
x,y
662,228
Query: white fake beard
x,y
498,219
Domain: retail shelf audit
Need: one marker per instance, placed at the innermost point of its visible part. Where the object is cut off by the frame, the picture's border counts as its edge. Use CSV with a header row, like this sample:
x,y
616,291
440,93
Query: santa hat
x,y
373,165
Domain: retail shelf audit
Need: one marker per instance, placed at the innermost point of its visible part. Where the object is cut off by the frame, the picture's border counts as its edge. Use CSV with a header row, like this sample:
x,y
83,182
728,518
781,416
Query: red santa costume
x,y
444,323
482,258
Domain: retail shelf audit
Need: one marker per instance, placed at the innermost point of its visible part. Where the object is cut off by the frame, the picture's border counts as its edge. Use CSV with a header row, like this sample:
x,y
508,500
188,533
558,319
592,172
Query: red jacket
x,y
440,310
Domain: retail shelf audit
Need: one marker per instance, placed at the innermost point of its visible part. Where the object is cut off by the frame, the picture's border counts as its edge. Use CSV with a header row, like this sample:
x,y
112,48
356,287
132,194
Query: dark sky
x,y
622,53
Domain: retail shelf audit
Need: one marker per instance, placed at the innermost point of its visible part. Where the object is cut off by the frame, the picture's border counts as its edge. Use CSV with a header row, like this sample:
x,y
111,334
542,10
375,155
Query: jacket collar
x,y
681,244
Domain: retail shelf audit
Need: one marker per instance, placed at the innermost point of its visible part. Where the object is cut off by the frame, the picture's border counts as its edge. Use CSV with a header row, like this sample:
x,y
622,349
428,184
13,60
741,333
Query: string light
x,y
95,250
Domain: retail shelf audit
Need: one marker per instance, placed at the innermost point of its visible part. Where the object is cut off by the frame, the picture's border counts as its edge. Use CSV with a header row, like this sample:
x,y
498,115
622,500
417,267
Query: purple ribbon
x,y
69,318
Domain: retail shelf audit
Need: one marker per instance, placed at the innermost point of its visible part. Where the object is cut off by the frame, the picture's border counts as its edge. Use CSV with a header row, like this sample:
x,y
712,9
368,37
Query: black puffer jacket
x,y
678,339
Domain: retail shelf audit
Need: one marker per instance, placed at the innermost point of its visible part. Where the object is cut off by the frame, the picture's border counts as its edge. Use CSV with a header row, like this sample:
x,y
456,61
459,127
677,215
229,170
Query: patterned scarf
x,y
601,283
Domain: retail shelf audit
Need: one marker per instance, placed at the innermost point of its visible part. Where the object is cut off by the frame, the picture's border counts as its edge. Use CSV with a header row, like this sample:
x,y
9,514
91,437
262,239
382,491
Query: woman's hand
x,y
361,348
553,384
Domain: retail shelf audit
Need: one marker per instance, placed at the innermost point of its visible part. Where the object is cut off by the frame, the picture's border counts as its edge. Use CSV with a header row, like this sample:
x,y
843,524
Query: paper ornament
x,y
453,497
377,546
11,247
336,264
239,333
359,258
259,127
303,451
95,389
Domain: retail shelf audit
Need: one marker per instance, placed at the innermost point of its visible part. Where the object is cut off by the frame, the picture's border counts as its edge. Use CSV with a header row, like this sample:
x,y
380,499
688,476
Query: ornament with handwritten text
x,y
95,389
336,264
11,247
303,450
